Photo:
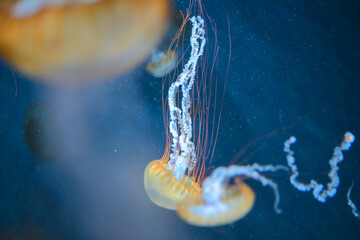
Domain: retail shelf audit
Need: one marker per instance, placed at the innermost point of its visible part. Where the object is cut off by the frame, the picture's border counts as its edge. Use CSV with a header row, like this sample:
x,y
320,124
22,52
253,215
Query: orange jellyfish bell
x,y
175,177
74,41
164,189
221,203
236,202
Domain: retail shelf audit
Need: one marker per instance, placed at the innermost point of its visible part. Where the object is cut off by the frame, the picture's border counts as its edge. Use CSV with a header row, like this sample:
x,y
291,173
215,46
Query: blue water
x,y
294,70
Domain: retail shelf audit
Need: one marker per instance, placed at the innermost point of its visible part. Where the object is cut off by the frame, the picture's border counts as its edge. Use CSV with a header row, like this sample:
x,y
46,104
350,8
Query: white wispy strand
x,y
351,203
215,185
183,155
318,190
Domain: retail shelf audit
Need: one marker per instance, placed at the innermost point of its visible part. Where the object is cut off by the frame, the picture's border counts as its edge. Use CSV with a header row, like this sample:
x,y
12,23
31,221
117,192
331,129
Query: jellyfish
x,y
42,132
220,204
164,58
63,41
171,183
162,63
168,180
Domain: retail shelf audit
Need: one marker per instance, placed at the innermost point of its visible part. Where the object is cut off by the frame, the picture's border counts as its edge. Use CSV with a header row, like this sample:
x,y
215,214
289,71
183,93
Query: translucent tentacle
x,y
214,186
183,155
351,203
318,190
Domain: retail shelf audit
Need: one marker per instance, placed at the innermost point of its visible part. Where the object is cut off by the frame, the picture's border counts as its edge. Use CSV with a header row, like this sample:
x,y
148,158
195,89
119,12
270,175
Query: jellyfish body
x,y
221,203
170,183
236,202
164,189
161,63
77,42
165,58
172,179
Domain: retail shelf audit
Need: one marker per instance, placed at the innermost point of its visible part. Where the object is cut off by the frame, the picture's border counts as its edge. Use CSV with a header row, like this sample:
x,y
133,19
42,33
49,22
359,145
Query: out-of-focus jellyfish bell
x,y
76,41
162,63
164,59
42,132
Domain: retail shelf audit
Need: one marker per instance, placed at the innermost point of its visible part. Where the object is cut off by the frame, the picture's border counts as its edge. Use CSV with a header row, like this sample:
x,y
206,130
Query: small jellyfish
x,y
62,41
162,63
42,132
165,58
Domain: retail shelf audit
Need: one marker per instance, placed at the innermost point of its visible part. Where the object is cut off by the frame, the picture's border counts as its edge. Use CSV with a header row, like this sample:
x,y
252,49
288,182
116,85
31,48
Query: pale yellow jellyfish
x,y
172,183
175,181
172,179
164,58
236,202
76,41
162,63
220,203
179,173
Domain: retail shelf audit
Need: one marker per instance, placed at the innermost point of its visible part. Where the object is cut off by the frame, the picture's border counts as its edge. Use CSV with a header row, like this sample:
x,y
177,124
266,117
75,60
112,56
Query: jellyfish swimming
x,y
168,181
162,63
235,203
63,41
42,132
164,58
220,204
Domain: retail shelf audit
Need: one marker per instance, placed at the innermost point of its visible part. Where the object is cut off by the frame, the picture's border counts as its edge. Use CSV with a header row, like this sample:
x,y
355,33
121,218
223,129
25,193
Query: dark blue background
x,y
295,70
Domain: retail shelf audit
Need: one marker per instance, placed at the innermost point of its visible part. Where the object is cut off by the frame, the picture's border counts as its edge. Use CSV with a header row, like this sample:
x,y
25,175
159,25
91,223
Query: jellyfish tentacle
x,y
351,203
220,203
214,186
318,190
183,155
165,181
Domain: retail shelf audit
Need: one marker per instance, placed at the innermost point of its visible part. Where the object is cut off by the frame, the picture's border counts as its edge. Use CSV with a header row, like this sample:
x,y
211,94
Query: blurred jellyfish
x,y
162,63
164,59
65,41
42,132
